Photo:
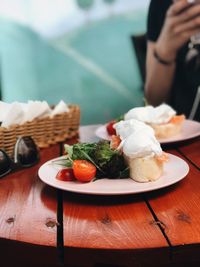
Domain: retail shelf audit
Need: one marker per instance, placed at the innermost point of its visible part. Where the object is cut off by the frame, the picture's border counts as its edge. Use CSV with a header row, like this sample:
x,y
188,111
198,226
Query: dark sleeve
x,y
156,17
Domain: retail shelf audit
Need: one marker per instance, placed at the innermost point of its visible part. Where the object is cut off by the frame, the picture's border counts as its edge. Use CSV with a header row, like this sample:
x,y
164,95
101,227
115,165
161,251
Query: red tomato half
x,y
65,175
84,171
110,129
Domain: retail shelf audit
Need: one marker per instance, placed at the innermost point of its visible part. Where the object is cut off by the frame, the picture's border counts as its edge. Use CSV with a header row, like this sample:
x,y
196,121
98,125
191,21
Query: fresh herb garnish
x,y
109,163
82,151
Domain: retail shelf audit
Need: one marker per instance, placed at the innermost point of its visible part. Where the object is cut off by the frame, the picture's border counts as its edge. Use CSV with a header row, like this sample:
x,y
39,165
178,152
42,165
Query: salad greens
x,y
80,151
109,163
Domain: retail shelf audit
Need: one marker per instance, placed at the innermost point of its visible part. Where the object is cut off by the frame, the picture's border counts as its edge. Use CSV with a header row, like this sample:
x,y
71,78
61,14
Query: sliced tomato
x,y
110,129
65,175
84,171
177,119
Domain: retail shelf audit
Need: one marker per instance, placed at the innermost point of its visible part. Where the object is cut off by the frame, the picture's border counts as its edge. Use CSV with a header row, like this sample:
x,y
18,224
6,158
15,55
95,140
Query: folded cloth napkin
x,y
19,113
61,107
36,109
13,115
3,110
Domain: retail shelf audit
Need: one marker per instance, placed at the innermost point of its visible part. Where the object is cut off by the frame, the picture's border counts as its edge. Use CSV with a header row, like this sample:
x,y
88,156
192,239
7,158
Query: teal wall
x,y
94,66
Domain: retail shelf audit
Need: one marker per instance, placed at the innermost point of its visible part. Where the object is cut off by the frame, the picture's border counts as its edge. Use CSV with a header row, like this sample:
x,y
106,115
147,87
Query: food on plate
x,y
110,129
110,160
89,161
109,126
141,150
162,119
84,171
134,152
65,175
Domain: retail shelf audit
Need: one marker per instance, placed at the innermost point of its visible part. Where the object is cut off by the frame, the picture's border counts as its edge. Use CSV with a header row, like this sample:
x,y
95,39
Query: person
x,y
173,56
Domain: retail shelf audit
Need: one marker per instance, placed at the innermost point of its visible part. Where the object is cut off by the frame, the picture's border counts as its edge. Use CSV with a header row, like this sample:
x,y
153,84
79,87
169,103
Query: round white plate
x,y
190,130
174,170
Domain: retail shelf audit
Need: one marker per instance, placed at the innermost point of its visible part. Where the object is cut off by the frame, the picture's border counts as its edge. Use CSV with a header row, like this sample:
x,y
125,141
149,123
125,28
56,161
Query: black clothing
x,y
187,75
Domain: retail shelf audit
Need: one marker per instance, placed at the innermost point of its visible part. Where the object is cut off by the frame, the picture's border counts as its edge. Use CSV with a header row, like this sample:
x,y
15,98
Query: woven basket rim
x,y
38,120
45,131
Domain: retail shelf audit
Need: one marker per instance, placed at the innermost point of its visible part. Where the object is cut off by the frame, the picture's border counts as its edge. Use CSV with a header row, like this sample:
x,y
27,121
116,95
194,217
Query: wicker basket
x,y
45,131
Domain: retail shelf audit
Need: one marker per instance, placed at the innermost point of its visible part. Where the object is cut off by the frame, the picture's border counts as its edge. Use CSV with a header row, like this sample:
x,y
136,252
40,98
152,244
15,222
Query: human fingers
x,y
177,7
188,14
188,34
187,26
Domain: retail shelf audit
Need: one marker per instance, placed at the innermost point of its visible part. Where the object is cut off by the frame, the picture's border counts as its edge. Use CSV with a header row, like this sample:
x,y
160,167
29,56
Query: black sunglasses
x,y
25,154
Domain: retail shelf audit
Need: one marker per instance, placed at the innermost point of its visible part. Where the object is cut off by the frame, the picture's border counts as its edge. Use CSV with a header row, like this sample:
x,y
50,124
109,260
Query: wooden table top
x,y
50,227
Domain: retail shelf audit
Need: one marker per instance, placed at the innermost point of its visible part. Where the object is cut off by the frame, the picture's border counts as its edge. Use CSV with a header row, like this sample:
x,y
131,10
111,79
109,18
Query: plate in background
x,y
191,129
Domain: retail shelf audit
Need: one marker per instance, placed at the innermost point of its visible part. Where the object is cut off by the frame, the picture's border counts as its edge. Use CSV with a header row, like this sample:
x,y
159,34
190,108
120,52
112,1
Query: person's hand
x,y
181,22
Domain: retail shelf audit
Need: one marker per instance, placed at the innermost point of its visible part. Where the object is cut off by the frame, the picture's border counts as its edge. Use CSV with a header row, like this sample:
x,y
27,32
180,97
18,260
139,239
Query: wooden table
x,y
43,226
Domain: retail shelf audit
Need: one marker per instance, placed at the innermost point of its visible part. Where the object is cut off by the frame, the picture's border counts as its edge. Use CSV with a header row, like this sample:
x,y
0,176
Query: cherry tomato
x,y
65,175
84,171
110,129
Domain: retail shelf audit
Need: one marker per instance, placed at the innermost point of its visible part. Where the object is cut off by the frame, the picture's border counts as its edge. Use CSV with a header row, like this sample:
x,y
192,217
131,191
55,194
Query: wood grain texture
x,y
110,225
120,222
28,208
192,152
178,210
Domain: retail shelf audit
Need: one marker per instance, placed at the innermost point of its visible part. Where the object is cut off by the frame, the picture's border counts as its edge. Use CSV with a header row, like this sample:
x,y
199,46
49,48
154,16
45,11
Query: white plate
x,y
174,170
190,130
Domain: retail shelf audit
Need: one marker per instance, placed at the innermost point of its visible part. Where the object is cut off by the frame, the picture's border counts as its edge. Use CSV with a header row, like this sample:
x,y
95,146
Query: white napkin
x,y
61,107
36,109
3,110
19,113
14,115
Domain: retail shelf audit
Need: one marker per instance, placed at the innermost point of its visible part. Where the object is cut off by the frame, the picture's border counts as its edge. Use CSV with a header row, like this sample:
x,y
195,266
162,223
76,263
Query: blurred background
x,y
87,52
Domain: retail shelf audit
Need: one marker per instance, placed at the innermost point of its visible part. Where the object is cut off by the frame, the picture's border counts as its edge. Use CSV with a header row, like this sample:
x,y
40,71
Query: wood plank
x,y
178,210
113,226
192,152
28,211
